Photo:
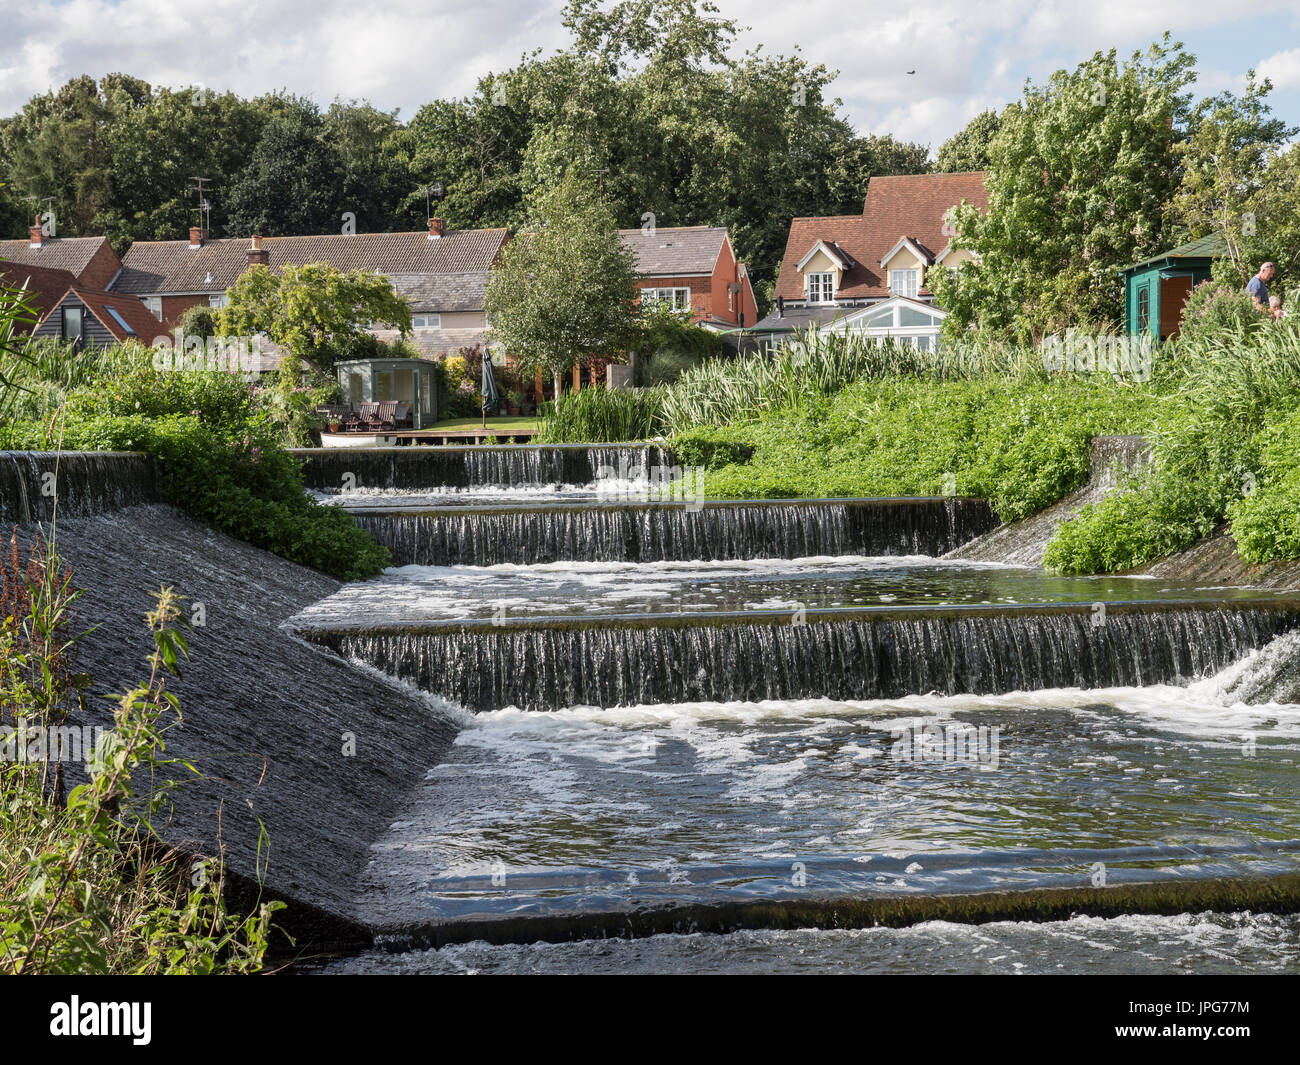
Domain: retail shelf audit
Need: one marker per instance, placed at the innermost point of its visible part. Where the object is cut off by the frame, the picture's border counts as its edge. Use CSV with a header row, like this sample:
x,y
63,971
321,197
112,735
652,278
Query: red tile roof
x,y
911,206
144,327
46,287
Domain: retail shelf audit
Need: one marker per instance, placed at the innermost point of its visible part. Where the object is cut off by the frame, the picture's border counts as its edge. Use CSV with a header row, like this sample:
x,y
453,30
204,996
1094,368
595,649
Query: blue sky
x,y
968,55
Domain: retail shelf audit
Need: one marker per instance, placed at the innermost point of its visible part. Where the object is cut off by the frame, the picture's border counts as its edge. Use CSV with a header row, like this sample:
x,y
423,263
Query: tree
x,y
311,309
294,181
564,291
1228,180
969,148
1081,171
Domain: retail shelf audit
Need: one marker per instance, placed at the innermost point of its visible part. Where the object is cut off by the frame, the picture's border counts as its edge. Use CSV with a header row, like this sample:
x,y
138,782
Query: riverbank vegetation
x,y
829,415
218,441
86,884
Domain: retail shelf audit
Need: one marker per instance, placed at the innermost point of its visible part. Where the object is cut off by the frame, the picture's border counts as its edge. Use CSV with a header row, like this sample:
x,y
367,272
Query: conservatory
x,y
407,383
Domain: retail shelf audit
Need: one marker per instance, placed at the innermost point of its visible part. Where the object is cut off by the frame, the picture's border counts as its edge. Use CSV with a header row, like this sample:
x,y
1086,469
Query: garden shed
x,y
1156,288
408,381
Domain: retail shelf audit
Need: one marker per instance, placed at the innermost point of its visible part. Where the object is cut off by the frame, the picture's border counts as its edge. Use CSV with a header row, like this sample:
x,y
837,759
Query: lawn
x,y
521,425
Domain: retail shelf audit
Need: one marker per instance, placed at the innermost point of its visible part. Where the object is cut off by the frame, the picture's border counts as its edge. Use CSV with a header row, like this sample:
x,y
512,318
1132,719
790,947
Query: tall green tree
x,y
1228,181
294,180
969,148
564,290
1081,171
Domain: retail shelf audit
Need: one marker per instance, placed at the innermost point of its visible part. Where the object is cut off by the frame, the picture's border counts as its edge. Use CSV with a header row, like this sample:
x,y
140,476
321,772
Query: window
x,y
821,288
215,302
72,323
426,321
1144,310
153,304
121,321
679,299
904,282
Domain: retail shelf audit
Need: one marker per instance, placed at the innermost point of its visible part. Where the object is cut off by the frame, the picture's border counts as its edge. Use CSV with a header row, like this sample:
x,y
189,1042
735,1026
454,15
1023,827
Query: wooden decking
x,y
429,436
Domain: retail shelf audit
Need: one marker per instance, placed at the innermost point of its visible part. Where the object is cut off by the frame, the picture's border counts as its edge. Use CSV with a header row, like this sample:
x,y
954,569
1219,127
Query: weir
x,y
80,483
652,532
864,653
494,466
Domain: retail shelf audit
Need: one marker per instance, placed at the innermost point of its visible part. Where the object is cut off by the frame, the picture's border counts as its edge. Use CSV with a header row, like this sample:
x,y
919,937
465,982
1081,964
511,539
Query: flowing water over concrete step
x,y
651,532
80,483
1024,543
495,466
864,653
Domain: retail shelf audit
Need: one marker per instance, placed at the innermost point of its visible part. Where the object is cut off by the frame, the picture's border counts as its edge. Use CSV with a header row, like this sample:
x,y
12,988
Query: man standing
x,y
1257,286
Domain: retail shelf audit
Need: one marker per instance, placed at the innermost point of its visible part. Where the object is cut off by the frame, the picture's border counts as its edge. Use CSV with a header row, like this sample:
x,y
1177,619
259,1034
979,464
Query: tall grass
x,y
602,416
813,363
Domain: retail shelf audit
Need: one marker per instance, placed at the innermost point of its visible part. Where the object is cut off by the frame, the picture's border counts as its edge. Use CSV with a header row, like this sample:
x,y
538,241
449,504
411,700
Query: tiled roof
x,y
45,287
909,206
57,253
1211,247
145,327
156,267
441,292
675,251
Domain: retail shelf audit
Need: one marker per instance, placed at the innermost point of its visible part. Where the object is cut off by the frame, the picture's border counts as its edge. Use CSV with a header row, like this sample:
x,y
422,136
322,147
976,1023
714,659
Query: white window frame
x,y
911,282
677,297
426,322
821,287
217,302
153,304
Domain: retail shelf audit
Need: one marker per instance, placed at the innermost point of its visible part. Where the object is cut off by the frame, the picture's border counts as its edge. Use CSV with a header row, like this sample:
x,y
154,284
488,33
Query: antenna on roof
x,y
204,205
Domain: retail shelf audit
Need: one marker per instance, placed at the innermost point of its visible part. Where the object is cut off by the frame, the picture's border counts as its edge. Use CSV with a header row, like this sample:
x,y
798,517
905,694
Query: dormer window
x,y
905,282
821,288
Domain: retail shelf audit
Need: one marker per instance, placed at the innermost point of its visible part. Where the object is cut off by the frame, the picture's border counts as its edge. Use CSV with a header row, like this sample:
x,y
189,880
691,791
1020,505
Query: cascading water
x,y
622,661
649,532
479,468
34,485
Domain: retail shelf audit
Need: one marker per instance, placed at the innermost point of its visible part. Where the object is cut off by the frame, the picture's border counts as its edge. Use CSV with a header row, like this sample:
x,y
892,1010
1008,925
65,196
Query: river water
x,y
589,809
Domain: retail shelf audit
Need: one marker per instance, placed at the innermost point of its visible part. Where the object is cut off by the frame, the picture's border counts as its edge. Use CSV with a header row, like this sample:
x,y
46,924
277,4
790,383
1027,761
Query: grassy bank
x,y
837,416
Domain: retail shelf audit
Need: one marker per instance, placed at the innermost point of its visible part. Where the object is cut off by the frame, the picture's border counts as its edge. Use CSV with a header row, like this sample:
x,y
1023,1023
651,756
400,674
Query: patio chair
x,y
368,415
386,416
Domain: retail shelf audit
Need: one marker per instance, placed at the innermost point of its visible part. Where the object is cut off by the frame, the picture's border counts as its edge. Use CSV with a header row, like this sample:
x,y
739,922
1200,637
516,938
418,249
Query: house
x,y
86,316
90,260
45,288
693,268
443,273
1155,289
867,273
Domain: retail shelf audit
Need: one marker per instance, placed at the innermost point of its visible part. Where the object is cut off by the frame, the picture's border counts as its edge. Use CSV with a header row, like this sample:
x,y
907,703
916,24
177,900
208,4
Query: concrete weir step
x,y
657,532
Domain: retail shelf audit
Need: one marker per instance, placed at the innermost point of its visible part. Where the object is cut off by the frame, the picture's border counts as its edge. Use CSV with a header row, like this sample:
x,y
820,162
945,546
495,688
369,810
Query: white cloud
x,y
967,55
1283,69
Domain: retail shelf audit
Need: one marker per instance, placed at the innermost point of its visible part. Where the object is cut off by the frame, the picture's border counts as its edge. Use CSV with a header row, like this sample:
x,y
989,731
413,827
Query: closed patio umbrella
x,y
491,397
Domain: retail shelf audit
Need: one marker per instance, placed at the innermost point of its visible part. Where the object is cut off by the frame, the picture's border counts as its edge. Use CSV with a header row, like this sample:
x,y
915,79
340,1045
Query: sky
x,y
967,55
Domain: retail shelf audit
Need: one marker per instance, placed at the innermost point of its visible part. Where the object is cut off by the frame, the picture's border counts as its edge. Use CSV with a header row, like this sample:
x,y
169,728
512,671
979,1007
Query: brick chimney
x,y
37,233
257,255
198,237
437,228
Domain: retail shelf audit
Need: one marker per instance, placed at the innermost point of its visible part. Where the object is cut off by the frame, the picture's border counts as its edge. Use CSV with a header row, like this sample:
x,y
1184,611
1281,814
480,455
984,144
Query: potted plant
x,y
514,400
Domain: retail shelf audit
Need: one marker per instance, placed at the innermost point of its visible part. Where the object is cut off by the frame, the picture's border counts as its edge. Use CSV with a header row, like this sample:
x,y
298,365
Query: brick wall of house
x,y
101,269
728,306
701,292
174,306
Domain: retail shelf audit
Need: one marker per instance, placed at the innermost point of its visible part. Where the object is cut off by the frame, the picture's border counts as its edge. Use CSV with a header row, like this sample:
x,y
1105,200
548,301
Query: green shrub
x,y
221,459
1266,519
1217,310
